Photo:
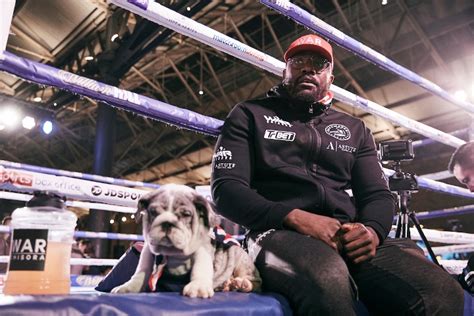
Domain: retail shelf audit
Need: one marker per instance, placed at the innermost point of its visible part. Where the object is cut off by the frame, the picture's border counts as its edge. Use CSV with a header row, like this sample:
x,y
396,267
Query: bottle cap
x,y
46,198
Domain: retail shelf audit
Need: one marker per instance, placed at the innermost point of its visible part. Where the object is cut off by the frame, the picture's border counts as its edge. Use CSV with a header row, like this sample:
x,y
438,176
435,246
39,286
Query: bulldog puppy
x,y
176,224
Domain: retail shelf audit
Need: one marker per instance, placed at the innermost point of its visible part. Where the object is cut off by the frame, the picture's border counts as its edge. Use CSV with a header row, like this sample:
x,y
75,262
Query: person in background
x,y
5,243
281,168
461,165
77,252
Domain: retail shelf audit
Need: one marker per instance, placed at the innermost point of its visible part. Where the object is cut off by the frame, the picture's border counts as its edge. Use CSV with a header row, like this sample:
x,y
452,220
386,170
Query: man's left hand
x,y
358,242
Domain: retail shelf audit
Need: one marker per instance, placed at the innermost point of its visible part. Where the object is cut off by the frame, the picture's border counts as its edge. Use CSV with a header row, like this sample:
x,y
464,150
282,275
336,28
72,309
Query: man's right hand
x,y
317,226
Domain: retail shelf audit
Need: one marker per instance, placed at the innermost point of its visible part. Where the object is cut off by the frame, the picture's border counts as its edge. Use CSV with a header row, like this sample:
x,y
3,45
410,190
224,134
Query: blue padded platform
x,y
156,304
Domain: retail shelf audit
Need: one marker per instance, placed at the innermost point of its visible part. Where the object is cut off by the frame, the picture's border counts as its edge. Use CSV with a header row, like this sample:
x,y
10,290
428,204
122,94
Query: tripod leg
x,y
423,237
398,231
406,226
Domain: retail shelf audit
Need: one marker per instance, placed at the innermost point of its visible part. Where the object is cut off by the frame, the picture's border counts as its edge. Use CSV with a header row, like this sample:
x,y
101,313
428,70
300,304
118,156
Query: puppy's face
x,y
176,220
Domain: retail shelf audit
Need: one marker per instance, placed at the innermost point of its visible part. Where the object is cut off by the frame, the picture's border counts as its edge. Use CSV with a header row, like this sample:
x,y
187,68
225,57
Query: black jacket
x,y
272,157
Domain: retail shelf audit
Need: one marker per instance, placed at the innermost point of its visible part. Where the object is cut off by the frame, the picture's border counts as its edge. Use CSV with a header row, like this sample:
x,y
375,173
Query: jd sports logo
x,y
96,190
279,135
338,131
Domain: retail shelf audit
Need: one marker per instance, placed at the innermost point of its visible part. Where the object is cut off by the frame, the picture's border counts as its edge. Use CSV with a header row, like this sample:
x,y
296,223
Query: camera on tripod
x,y
396,151
403,183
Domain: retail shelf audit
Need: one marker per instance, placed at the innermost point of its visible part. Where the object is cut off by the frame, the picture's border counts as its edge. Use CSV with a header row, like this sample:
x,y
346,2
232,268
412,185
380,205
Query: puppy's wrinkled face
x,y
173,220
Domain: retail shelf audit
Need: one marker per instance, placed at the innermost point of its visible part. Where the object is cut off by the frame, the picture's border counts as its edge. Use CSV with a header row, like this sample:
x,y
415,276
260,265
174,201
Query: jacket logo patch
x,y
222,154
341,147
338,131
279,135
276,120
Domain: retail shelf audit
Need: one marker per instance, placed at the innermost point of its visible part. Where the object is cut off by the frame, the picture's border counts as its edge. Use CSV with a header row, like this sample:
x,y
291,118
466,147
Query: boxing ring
x,y
18,181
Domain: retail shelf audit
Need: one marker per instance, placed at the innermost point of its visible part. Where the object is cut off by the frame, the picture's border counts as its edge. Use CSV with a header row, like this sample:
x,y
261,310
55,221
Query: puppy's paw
x,y
199,288
241,285
134,285
126,288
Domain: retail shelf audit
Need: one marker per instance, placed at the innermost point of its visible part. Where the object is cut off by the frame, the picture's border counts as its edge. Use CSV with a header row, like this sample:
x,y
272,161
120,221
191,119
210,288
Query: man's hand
x,y
317,226
358,242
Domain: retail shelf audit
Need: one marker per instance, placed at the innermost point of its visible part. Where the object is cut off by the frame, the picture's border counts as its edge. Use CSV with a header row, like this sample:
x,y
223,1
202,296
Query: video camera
x,y
396,151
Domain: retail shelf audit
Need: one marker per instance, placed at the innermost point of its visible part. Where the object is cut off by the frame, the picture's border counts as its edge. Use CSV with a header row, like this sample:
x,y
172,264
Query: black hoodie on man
x,y
274,156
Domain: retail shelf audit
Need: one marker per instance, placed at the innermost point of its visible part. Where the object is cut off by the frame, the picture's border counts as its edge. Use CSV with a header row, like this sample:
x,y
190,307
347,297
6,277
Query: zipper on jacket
x,y
311,160
309,157
315,139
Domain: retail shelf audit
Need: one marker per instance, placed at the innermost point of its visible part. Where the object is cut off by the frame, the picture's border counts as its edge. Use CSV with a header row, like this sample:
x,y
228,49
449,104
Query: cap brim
x,y
308,48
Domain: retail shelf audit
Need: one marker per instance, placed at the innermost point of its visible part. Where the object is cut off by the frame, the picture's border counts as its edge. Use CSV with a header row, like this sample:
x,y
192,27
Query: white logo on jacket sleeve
x,y
279,135
220,155
338,131
276,120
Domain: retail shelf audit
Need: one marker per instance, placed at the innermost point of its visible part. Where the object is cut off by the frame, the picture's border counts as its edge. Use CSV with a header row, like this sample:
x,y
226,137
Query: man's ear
x,y
331,79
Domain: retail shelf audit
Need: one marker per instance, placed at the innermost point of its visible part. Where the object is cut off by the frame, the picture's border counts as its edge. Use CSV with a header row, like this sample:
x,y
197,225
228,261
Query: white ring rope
x,y
452,266
72,203
79,261
446,237
28,181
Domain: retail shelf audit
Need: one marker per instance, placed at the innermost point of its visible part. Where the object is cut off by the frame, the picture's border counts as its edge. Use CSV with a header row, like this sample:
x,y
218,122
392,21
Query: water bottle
x,y
41,244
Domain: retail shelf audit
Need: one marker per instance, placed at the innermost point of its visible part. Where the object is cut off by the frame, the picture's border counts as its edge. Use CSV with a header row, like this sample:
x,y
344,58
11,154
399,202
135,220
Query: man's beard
x,y
303,96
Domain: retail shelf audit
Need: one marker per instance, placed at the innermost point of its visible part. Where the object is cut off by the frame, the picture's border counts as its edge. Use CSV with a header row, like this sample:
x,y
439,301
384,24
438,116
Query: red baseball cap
x,y
311,43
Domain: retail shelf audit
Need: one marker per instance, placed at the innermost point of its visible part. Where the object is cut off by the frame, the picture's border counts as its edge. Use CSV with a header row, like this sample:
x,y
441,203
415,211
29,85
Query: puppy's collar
x,y
160,263
220,237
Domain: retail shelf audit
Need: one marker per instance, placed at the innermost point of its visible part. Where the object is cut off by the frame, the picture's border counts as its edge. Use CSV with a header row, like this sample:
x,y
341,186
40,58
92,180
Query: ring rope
x,y
312,22
460,210
127,198
80,175
157,13
27,181
452,266
72,203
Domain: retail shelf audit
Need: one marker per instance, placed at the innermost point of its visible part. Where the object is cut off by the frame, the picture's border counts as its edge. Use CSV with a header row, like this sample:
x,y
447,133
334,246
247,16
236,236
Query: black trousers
x,y
317,280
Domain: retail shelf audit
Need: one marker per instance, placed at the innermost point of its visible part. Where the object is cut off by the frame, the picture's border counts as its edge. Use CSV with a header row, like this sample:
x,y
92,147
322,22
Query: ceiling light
x,y
384,2
124,219
112,221
201,92
114,37
28,122
188,8
9,117
55,103
37,99
460,95
88,58
132,216
47,127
